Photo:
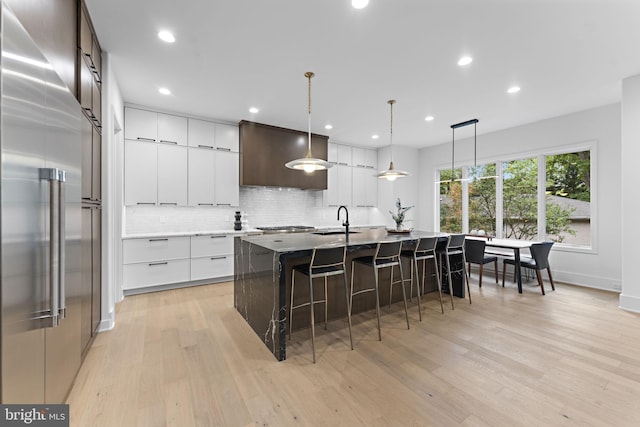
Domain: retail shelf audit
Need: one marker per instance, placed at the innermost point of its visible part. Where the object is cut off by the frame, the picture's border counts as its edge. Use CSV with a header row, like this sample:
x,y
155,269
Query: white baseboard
x,y
108,323
630,303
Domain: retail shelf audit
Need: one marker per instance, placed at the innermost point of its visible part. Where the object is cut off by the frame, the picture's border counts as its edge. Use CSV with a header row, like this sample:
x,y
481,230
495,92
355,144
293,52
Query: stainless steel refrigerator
x,y
40,255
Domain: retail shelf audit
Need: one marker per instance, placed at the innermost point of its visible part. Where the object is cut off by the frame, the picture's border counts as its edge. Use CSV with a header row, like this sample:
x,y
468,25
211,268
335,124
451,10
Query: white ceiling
x,y
567,55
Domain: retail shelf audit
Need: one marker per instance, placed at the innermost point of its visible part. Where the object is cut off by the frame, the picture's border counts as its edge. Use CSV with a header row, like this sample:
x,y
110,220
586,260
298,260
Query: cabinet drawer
x,y
155,273
211,267
215,244
154,249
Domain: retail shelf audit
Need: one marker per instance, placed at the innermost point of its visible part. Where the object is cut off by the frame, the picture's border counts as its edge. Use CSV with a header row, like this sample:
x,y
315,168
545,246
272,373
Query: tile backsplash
x,y
260,206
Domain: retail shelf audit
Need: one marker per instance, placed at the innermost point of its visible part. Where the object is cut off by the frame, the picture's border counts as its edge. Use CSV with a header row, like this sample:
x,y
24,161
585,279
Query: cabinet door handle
x,y
205,204
213,258
140,138
224,204
223,149
159,240
166,141
145,203
152,264
169,203
205,146
217,236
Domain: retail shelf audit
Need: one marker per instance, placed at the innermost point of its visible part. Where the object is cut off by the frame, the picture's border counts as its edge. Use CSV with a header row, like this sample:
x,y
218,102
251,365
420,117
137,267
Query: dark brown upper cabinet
x,y
264,150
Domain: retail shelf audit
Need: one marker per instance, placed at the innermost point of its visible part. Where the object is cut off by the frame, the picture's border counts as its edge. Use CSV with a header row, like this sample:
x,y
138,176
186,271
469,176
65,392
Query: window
x,y
543,197
451,201
520,199
482,198
568,198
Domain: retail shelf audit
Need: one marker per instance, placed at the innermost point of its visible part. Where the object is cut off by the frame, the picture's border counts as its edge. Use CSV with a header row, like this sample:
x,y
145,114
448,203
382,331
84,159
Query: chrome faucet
x,y
346,223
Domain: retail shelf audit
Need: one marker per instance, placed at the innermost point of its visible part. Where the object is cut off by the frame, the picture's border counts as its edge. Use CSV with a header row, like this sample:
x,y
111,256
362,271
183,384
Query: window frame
x,y
590,145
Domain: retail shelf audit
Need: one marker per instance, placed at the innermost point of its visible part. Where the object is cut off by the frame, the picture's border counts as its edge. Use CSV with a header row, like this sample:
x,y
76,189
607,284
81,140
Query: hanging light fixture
x,y
309,163
392,173
453,142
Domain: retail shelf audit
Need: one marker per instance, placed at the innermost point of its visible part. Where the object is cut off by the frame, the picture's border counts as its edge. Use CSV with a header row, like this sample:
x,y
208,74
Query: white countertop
x,y
189,233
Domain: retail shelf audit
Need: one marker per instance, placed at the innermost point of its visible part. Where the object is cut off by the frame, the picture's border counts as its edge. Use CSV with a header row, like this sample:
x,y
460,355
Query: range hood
x,y
264,150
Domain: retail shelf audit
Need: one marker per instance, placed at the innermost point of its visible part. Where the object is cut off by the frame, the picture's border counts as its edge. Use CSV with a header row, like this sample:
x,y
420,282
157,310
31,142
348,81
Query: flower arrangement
x,y
398,217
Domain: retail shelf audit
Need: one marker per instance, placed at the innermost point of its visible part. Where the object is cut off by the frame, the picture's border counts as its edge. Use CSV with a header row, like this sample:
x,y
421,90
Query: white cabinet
x,y
140,173
155,261
162,260
214,178
172,129
202,133
365,183
227,178
140,125
227,138
201,188
143,125
211,256
155,174
172,175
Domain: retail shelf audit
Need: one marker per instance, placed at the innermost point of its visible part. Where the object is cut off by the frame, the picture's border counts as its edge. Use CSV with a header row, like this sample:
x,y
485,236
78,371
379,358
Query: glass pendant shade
x,y
309,163
392,173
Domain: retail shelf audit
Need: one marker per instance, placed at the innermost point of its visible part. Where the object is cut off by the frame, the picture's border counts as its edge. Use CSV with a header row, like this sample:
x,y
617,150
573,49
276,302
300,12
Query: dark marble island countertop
x,y
263,273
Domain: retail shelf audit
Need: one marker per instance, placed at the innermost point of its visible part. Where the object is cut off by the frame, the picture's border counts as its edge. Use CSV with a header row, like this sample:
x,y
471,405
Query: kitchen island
x,y
263,278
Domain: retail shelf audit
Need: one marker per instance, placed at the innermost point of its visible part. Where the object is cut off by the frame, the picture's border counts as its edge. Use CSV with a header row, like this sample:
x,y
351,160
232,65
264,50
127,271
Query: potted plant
x,y
398,217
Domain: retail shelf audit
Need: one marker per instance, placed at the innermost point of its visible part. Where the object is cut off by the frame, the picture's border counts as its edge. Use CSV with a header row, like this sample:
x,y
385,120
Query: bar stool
x,y
325,262
387,255
424,250
455,246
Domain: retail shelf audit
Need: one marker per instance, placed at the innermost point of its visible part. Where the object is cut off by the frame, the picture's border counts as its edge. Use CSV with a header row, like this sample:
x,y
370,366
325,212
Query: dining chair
x,y
387,255
325,262
474,250
539,260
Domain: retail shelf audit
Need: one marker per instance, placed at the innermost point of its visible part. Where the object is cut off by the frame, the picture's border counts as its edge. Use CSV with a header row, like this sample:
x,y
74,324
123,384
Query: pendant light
x,y
392,173
453,142
309,164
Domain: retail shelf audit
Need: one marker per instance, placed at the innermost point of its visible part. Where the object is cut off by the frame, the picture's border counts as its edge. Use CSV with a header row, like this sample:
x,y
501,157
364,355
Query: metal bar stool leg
x,y
391,287
415,264
346,294
326,306
404,294
449,279
375,274
313,329
438,282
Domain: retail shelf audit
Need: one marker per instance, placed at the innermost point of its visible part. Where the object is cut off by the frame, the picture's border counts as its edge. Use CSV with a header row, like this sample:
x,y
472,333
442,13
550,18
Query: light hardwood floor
x,y
187,358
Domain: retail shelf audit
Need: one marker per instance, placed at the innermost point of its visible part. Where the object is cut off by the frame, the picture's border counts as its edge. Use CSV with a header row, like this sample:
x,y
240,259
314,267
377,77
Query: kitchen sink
x,y
330,232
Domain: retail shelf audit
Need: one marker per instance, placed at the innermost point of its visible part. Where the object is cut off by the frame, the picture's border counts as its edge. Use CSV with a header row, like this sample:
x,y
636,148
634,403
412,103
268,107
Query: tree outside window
x,y
451,201
482,198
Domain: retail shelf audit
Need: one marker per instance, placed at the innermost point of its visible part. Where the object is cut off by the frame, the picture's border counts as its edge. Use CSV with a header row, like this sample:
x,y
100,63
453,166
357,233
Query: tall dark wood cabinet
x,y
89,87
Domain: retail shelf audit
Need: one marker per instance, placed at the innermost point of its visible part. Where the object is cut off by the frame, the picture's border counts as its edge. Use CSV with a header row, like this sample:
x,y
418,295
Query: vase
x,y
399,226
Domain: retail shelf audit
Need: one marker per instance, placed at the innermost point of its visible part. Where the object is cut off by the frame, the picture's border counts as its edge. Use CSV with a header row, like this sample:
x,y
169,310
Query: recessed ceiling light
x,y
359,4
254,110
328,127
429,118
465,60
166,36
514,89
374,137
164,91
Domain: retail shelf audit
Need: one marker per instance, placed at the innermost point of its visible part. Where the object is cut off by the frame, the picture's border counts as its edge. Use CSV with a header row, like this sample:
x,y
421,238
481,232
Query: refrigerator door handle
x,y
62,305
51,175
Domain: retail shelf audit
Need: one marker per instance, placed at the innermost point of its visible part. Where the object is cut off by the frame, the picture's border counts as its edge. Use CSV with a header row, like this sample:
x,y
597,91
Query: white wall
x,y
113,108
599,268
630,297
406,159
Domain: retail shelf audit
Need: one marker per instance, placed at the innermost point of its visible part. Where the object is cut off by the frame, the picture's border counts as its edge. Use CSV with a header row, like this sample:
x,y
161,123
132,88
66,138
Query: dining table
x,y
513,244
